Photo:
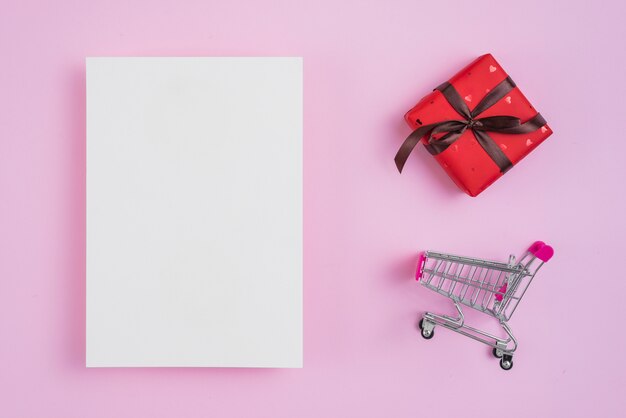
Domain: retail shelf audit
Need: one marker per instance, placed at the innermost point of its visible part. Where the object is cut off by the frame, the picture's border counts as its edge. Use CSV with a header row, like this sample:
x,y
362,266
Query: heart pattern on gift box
x,y
503,146
544,129
529,142
468,97
508,99
492,69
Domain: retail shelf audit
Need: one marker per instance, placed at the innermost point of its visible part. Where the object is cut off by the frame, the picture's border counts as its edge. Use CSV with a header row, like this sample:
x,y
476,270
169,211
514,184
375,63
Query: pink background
x,y
366,63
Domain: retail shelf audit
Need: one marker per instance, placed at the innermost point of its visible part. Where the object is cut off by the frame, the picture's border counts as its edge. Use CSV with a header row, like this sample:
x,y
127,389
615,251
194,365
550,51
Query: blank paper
x,y
194,212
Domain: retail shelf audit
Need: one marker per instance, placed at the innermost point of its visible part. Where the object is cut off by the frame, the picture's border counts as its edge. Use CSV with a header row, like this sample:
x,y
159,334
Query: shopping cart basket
x,y
490,287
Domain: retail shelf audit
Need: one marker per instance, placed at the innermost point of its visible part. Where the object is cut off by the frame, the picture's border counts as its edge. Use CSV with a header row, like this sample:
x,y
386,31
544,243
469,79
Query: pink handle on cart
x,y
541,250
420,266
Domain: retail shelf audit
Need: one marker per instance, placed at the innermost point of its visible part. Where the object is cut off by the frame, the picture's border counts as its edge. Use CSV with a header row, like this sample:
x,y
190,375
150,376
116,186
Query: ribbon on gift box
x,y
479,126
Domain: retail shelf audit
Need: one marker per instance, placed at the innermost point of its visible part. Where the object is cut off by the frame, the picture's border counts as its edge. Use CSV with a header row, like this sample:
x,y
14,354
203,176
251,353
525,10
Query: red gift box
x,y
477,126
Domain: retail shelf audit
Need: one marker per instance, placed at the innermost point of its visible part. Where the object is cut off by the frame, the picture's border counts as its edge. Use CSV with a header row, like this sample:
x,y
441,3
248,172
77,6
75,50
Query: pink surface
x,y
366,64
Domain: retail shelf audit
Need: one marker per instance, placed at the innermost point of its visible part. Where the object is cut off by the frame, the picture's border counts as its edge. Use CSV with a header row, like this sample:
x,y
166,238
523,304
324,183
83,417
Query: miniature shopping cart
x,y
490,287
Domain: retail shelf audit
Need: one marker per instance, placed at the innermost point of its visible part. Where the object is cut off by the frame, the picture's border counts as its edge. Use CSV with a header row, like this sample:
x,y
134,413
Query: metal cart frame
x,y
491,287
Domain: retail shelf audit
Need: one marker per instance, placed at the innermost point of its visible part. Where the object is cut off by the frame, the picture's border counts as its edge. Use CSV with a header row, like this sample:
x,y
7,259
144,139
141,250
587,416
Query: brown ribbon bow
x,y
479,126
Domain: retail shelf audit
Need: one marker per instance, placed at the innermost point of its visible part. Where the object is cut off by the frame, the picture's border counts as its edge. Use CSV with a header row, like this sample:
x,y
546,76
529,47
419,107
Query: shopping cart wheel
x,y
427,331
506,362
497,352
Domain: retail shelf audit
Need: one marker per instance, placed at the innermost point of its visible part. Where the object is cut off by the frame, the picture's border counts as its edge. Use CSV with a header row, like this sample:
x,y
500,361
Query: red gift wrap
x,y
468,160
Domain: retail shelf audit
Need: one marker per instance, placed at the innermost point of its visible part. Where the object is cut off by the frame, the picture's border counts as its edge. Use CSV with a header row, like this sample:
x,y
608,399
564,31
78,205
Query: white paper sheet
x,y
194,212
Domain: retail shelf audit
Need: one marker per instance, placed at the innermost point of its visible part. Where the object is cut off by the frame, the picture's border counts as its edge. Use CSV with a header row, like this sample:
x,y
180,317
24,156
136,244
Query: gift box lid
x,y
465,160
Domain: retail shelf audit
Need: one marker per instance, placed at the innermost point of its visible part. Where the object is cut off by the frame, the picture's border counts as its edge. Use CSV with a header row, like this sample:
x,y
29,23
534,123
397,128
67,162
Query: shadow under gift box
x,y
465,161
